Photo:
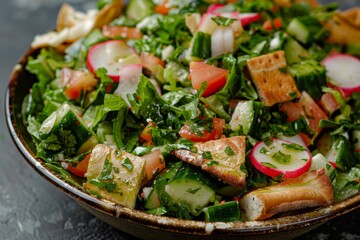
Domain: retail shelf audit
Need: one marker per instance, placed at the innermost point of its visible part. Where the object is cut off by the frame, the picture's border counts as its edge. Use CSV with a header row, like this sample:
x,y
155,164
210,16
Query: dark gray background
x,y
30,207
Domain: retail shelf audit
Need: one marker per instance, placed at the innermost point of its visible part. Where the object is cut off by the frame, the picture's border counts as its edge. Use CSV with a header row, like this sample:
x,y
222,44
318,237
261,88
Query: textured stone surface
x,y
30,207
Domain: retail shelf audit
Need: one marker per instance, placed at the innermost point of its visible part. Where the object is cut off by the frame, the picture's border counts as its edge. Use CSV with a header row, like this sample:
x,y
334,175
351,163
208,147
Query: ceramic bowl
x,y
141,224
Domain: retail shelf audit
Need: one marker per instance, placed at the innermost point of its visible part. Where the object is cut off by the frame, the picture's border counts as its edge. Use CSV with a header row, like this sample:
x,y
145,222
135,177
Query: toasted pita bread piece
x,y
344,27
312,189
221,158
273,83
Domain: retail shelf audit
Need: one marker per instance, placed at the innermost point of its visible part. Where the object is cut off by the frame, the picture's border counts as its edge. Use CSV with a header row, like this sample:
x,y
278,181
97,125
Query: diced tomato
x,y
215,77
151,62
270,25
81,168
307,108
329,103
76,81
163,8
119,31
218,126
146,133
154,163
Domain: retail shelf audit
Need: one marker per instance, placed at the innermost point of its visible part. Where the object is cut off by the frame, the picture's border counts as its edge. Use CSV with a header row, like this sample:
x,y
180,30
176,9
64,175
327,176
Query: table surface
x,y
32,208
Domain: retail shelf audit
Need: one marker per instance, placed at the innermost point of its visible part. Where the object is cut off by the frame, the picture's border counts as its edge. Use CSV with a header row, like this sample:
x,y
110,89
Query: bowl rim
x,y
163,223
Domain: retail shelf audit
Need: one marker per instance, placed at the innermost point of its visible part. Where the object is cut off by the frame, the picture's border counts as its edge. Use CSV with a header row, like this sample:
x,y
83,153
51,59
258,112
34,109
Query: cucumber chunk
x,y
294,52
310,76
189,193
138,9
200,46
246,117
227,212
65,119
306,29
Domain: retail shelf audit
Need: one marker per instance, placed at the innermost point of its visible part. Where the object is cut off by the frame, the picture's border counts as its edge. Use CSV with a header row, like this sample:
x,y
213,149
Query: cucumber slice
x,y
189,193
66,119
153,200
294,52
306,29
319,161
246,117
227,212
310,76
138,9
200,47
342,153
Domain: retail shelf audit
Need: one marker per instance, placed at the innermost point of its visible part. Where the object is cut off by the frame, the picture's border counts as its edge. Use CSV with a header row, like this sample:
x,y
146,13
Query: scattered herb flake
x,y
193,191
267,164
212,163
126,163
293,146
263,150
281,157
207,155
229,151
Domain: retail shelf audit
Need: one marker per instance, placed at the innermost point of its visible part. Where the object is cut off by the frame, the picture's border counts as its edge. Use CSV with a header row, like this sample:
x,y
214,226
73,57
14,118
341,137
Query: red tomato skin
x,y
329,103
215,77
216,133
146,133
81,168
76,81
307,108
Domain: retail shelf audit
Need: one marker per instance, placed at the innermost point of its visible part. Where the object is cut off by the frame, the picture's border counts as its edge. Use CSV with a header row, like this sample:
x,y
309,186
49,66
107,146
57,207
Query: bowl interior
x,y
151,226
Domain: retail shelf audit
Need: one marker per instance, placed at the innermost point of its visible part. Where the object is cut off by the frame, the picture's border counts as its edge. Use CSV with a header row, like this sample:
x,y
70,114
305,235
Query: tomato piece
x,y
329,103
76,81
215,77
270,25
218,126
120,31
163,8
81,168
154,163
307,108
146,133
151,62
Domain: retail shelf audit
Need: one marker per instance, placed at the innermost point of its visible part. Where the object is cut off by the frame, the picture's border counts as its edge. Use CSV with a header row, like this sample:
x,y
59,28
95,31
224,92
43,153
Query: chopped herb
x,y
293,94
193,191
118,153
141,151
106,171
293,146
281,157
263,150
212,163
116,169
126,163
207,155
283,69
266,164
96,182
229,151
110,187
304,159
223,21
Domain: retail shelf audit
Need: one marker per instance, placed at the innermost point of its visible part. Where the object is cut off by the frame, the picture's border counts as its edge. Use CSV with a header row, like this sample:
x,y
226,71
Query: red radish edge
x,y
245,18
329,63
95,49
271,172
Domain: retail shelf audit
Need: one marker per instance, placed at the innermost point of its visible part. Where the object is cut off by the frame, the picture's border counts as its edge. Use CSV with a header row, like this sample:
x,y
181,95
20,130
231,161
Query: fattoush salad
x,y
206,110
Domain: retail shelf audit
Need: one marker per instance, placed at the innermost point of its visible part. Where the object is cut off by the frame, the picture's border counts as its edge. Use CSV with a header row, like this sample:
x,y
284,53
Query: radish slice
x,y
215,8
247,18
343,71
130,77
280,157
111,55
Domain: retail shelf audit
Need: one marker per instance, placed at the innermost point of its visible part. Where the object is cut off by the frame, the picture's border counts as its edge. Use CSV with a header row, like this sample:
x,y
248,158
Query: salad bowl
x,y
142,224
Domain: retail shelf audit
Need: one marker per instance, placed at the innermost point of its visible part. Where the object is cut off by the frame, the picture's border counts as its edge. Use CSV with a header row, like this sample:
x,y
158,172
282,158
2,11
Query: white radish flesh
x,y
280,158
343,71
111,55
